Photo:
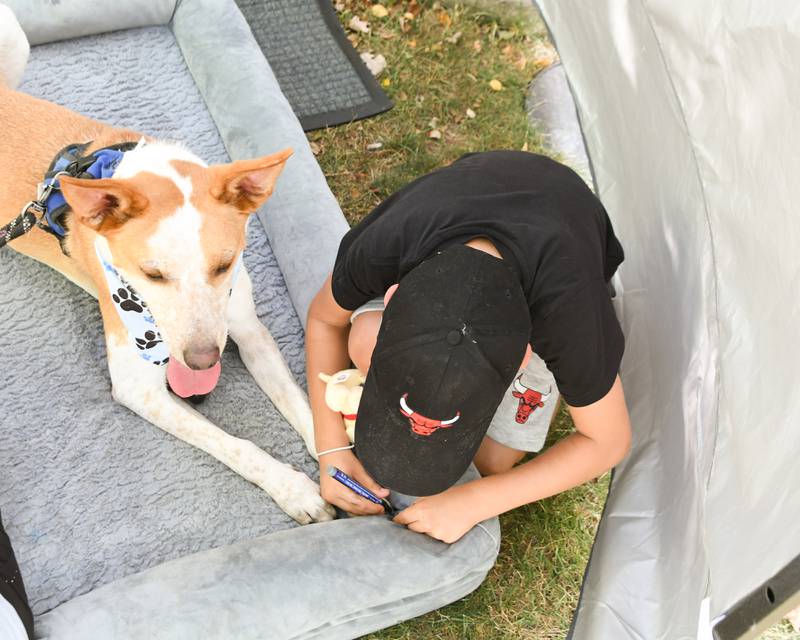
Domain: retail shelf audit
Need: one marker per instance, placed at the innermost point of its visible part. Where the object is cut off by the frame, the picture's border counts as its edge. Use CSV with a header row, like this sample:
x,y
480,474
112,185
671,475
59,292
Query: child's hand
x,y
445,516
339,495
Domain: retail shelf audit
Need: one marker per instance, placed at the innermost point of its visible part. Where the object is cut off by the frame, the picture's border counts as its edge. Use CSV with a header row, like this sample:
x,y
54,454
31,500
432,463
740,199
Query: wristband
x,y
322,453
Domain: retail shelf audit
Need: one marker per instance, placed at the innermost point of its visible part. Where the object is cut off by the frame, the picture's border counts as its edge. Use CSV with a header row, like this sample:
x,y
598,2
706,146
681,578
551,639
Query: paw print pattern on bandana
x,y
148,341
135,315
128,300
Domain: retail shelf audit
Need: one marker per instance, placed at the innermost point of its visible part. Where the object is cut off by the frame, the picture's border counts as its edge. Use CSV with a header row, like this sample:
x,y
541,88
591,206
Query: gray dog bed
x,y
121,531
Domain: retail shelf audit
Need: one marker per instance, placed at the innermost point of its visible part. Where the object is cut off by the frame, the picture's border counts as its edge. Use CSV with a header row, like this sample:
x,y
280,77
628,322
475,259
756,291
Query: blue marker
x,y
361,490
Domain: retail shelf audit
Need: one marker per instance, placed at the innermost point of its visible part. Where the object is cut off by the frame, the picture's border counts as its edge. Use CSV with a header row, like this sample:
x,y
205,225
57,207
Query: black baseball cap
x,y
450,343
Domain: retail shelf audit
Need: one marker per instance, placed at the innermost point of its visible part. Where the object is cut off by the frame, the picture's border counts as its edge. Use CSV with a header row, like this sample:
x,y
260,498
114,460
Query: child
x,y
450,282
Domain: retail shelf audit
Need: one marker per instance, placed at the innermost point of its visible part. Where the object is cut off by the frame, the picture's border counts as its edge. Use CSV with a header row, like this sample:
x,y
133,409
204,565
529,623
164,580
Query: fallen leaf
x,y
386,34
402,96
339,6
544,55
495,84
357,24
477,46
525,146
434,122
353,38
505,35
379,11
386,82
445,19
375,63
470,113
435,134
374,146
436,46
412,44
408,15
454,38
315,148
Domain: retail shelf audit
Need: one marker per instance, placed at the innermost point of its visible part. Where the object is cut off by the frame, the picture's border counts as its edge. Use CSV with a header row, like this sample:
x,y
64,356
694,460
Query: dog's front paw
x,y
298,495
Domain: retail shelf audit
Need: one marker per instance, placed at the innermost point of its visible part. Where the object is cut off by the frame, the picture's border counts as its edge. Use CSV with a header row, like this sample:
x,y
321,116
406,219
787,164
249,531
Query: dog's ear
x,y
103,204
247,184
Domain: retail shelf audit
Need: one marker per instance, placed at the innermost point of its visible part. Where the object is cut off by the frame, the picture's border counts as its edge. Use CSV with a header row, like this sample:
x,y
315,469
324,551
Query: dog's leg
x,y
141,387
263,359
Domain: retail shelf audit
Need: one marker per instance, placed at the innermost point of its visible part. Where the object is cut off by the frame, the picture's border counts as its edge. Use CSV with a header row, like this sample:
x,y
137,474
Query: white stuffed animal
x,y
343,394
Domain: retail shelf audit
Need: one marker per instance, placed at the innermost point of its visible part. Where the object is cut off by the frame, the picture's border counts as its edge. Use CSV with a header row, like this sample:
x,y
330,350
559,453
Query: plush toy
x,y
343,394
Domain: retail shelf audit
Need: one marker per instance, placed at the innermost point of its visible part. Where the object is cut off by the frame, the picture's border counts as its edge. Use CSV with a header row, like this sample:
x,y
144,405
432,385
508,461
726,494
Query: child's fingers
x,y
364,478
406,516
419,526
357,505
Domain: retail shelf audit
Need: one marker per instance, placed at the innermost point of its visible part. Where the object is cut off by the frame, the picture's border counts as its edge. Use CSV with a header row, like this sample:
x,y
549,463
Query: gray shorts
x,y
523,418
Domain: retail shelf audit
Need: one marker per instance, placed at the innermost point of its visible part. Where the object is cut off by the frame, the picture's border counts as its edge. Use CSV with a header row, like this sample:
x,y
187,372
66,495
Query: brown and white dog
x,y
174,228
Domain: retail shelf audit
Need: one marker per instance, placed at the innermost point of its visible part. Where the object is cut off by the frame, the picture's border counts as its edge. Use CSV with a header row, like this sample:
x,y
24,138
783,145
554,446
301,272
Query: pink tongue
x,y
187,382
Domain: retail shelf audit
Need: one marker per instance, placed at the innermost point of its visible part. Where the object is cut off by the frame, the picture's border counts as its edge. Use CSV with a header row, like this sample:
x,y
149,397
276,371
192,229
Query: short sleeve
x,y
357,277
582,343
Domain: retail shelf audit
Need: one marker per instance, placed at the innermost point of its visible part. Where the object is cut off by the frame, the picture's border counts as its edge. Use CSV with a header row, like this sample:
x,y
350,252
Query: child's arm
x,y
601,441
326,351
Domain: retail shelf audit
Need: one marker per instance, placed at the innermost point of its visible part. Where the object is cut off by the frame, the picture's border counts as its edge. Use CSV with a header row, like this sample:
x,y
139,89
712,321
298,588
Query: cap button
x,y
454,337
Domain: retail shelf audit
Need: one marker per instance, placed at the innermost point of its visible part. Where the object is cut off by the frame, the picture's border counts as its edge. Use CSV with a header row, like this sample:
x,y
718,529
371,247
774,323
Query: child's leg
x,y
493,457
364,334
522,420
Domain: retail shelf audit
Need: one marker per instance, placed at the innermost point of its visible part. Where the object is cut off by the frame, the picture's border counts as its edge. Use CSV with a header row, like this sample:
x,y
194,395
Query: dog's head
x,y
175,228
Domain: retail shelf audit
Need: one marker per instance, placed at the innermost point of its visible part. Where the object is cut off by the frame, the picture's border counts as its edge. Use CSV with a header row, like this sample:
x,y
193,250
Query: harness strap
x,y
47,211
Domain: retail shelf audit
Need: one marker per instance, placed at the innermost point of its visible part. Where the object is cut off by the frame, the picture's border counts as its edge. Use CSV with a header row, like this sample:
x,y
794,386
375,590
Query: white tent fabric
x,y
690,113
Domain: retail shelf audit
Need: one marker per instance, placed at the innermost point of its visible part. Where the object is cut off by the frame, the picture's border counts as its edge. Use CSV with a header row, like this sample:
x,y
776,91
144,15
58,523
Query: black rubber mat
x,y
320,73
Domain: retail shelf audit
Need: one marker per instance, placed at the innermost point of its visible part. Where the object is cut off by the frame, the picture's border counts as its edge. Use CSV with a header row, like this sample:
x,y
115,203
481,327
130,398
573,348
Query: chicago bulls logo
x,y
529,400
420,424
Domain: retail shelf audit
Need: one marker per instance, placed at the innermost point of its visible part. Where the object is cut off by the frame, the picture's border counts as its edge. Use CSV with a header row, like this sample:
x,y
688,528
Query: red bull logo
x,y
529,400
420,424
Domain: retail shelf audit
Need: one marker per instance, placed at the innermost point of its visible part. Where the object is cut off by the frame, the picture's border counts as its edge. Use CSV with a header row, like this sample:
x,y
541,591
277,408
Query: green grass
x,y
434,76
781,631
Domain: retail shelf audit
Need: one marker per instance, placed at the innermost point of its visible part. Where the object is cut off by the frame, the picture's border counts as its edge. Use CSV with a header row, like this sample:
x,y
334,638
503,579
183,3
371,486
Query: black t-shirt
x,y
546,224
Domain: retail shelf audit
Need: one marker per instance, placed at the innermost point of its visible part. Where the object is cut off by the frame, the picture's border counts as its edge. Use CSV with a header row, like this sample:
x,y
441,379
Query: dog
x,y
159,245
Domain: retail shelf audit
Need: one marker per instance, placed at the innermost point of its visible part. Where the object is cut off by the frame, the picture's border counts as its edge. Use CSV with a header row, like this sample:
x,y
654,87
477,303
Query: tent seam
x,y
717,386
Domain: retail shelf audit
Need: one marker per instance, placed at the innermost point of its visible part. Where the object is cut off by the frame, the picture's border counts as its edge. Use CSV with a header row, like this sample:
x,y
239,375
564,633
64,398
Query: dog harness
x,y
47,211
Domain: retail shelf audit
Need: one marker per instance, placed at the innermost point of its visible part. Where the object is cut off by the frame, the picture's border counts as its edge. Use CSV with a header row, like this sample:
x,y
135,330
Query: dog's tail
x,y
14,49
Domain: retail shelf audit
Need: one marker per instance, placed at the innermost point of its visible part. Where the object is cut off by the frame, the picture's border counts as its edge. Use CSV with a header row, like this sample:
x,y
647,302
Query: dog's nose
x,y
200,358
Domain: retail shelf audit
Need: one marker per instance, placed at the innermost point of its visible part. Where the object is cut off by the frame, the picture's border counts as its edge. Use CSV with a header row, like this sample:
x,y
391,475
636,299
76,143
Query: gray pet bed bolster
x,y
123,532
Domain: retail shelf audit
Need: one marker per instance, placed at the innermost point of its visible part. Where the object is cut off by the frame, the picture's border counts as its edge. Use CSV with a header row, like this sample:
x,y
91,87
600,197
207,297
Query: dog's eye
x,y
223,268
153,274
